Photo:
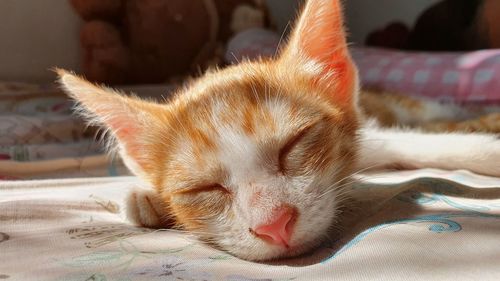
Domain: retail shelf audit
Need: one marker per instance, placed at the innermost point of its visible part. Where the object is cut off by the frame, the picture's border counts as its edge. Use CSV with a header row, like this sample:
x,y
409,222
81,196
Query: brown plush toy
x,y
149,41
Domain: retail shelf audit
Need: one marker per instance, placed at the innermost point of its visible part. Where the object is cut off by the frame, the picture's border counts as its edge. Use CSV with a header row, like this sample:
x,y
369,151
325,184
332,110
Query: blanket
x,y
413,225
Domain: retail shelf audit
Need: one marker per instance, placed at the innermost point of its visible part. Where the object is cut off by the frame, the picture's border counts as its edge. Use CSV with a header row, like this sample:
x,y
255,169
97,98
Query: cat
x,y
253,158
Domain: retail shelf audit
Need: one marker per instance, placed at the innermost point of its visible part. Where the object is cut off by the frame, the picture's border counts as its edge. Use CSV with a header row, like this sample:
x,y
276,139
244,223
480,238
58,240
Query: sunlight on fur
x,y
253,159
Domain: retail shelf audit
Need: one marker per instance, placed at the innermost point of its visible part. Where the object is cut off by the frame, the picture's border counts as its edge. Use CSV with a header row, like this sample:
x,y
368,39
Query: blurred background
x,y
38,35
439,49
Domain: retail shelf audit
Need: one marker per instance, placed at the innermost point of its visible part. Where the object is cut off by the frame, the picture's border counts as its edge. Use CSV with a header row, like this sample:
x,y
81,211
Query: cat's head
x,y
248,157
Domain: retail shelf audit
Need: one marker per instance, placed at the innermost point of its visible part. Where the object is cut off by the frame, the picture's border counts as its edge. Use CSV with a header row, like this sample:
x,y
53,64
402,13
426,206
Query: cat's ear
x,y
127,118
319,41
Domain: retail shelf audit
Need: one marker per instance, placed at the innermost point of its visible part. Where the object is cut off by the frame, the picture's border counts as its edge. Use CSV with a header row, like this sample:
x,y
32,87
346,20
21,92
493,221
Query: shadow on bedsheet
x,y
434,203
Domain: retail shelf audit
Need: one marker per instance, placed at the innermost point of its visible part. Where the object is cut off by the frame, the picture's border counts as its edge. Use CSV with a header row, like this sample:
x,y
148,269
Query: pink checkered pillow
x,y
461,77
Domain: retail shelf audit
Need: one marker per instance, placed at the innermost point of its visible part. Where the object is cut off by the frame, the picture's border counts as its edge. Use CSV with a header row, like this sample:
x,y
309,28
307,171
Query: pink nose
x,y
279,230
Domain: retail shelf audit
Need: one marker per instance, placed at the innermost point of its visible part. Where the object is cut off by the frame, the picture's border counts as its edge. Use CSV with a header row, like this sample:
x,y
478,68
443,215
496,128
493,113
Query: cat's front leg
x,y
145,208
389,148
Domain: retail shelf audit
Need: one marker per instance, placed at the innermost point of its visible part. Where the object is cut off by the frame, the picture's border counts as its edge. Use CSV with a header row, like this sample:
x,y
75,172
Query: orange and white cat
x,y
252,158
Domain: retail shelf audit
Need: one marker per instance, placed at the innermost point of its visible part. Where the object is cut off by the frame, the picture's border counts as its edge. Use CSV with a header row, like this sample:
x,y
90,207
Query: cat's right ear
x,y
318,41
128,119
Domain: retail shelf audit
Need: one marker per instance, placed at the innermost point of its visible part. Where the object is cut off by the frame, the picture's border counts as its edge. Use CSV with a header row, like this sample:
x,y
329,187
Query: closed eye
x,y
203,188
290,145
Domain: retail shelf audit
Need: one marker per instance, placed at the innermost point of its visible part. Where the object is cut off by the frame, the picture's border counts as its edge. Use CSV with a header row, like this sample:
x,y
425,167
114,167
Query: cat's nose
x,y
279,229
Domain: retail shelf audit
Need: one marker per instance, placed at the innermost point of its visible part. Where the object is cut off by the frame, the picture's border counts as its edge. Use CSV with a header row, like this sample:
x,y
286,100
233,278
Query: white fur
x,y
250,171
382,148
248,165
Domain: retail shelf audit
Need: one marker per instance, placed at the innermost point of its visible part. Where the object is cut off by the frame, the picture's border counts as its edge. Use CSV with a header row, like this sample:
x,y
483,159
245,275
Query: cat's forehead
x,y
251,88
236,122
232,118
258,111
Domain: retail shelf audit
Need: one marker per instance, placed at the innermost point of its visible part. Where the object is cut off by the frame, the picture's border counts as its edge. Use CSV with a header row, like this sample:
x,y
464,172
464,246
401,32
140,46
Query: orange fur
x,y
239,143
426,115
326,44
236,145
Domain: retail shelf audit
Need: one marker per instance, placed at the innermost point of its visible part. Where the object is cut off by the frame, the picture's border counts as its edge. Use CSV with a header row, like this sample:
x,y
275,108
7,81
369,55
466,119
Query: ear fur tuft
x,y
127,119
319,38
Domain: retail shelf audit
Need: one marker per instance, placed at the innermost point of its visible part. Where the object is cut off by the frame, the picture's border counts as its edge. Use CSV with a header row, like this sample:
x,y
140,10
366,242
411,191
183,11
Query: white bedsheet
x,y
419,225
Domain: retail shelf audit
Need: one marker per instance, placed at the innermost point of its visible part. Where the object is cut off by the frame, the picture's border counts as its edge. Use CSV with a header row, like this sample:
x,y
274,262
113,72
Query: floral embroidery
x,y
440,190
174,268
99,235
440,223
126,254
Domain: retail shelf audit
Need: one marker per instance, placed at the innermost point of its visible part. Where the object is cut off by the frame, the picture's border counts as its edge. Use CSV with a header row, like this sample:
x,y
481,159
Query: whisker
x,y
335,186
235,57
278,48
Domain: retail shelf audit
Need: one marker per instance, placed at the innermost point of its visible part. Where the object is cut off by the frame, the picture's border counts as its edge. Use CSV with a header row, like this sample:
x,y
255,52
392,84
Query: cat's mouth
x,y
292,251
266,252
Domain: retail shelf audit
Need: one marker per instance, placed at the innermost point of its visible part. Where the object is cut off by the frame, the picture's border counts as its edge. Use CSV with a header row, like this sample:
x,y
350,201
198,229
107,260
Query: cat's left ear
x,y
319,40
130,120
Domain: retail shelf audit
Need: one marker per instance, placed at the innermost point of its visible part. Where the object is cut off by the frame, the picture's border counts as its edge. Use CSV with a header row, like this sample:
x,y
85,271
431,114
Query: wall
x,y
282,12
35,36
363,16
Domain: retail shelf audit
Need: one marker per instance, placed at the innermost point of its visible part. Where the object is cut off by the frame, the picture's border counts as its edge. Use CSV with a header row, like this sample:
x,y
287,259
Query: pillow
x,y
459,77
466,77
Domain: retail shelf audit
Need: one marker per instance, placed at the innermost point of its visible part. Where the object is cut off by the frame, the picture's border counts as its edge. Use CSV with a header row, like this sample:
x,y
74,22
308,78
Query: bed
x,y
414,225
62,203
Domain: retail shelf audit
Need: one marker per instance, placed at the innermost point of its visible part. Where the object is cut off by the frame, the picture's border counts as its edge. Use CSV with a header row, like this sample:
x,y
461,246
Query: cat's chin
x,y
273,253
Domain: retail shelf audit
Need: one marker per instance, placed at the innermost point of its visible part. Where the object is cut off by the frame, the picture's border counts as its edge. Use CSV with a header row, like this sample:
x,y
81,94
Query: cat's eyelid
x,y
290,144
202,188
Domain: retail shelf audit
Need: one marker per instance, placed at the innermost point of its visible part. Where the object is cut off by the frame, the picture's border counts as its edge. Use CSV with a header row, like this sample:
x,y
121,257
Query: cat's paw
x,y
145,208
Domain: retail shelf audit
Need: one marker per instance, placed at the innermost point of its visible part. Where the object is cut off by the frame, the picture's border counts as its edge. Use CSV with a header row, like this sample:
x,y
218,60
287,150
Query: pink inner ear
x,y
120,116
123,128
321,36
127,133
321,31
